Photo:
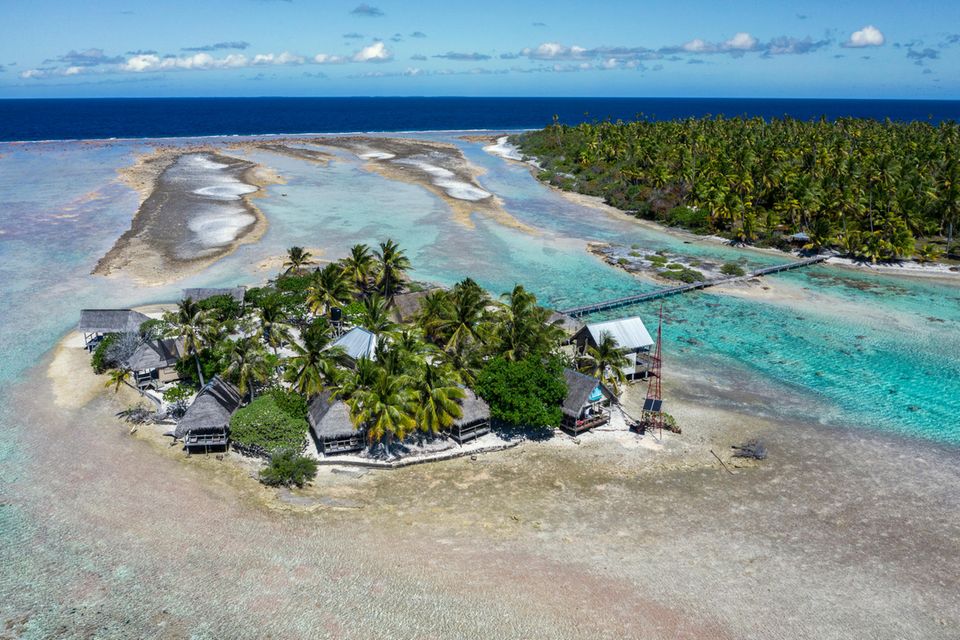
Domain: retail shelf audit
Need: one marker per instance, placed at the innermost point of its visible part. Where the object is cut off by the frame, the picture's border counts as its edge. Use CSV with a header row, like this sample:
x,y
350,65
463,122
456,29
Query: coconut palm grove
x,y
276,347
875,190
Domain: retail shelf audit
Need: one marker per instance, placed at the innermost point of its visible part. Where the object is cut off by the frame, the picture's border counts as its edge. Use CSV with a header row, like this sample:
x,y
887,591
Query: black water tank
x,y
335,314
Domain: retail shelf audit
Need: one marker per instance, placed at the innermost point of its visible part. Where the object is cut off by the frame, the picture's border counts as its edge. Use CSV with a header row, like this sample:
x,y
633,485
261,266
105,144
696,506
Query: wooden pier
x,y
672,291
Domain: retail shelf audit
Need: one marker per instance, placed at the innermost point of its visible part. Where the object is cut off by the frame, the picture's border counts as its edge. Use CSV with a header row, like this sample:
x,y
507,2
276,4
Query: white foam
x,y
377,155
504,149
221,228
446,180
228,191
203,162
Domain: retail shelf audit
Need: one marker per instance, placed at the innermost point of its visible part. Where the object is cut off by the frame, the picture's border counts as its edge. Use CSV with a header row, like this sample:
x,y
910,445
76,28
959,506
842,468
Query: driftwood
x,y
750,449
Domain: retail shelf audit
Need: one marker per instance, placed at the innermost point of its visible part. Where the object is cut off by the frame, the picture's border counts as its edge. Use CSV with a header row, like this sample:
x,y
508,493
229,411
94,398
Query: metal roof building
x,y
357,343
630,333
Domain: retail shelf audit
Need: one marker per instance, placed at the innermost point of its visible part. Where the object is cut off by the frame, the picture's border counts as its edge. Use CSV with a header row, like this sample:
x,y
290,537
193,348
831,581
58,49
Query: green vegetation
x,y
682,274
868,188
732,269
526,393
99,359
177,396
288,468
264,427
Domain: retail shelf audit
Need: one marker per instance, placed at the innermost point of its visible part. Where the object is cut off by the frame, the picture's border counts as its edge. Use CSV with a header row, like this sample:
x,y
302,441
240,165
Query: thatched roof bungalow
x,y
96,323
154,362
475,420
584,406
330,424
206,422
405,306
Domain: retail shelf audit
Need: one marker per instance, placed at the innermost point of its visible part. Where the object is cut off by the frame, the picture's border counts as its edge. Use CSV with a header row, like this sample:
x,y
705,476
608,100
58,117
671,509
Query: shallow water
x,y
105,536
870,351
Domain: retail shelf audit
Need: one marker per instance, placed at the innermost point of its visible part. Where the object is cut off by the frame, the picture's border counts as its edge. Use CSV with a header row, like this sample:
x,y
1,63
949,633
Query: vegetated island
x,y
353,360
872,191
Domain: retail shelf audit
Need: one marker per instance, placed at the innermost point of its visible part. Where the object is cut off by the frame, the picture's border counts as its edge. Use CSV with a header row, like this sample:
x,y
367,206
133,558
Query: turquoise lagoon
x,y
856,349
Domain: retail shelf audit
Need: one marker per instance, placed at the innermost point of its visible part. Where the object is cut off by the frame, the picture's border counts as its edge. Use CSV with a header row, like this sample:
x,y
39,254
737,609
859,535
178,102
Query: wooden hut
x,y
96,323
206,423
631,336
202,293
154,363
475,420
585,406
331,426
570,325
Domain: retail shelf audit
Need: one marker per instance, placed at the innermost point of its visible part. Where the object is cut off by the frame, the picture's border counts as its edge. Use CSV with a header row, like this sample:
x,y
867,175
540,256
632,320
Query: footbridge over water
x,y
672,291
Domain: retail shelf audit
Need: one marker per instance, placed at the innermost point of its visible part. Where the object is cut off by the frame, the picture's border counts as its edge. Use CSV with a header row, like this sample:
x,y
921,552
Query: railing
x,y
663,293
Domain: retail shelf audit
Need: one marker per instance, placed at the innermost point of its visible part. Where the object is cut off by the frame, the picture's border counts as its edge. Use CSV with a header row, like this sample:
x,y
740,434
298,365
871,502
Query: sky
x,y
677,48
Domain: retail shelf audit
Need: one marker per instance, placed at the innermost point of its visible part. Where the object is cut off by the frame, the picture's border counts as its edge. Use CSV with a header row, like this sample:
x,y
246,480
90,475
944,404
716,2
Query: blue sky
x,y
736,48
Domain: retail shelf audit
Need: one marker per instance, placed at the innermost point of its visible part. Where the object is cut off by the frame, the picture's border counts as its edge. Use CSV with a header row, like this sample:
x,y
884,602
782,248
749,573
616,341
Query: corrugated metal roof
x,y
357,343
630,333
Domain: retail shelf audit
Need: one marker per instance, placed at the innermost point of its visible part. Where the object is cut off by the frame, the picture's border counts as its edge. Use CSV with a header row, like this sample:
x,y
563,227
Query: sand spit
x,y
196,207
287,148
438,167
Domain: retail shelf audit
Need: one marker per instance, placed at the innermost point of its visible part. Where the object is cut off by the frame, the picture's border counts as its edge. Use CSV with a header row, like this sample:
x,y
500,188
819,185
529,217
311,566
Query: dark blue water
x,y
186,117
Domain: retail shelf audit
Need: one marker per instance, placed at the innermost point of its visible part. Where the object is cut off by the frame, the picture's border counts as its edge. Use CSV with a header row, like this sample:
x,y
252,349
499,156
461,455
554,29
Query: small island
x,y
351,362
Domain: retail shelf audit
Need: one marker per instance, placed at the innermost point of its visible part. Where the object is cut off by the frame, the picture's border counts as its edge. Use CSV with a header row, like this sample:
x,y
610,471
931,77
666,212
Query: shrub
x,y
288,468
152,329
290,402
222,307
685,275
675,266
525,393
697,221
100,360
177,396
622,261
657,261
262,427
732,269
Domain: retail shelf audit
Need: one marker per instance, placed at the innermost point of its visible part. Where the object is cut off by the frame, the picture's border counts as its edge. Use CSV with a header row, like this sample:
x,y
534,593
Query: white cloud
x,y
32,73
323,58
553,51
697,46
869,36
741,42
376,52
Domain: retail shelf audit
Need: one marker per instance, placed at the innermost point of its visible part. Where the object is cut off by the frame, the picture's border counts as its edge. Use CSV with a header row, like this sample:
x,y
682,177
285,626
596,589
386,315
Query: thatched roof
x,y
198,294
357,343
474,409
405,306
211,410
156,354
110,321
570,325
579,389
329,417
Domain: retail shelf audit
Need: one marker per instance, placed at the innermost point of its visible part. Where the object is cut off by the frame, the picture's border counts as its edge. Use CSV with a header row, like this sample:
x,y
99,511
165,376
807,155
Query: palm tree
x,y
359,265
376,315
435,308
437,394
297,259
274,324
606,362
462,324
525,327
193,325
393,263
386,409
315,364
330,288
247,364
119,377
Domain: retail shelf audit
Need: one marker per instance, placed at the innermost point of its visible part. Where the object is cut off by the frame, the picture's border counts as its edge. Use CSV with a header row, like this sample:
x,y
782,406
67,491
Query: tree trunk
x,y
196,359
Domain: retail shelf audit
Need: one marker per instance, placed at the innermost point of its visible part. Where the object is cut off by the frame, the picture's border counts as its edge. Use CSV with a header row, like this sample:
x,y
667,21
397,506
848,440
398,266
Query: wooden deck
x,y
672,291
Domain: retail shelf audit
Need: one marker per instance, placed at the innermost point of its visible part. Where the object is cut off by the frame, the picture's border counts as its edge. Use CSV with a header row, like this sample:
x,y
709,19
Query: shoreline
x,y
906,268
145,252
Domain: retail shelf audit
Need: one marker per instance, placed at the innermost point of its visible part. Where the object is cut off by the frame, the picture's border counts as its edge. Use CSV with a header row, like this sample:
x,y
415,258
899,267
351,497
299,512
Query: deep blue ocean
x,y
71,119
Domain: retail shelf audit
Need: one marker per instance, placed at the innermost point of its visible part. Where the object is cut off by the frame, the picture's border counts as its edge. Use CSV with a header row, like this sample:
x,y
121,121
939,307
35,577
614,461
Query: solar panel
x,y
652,405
